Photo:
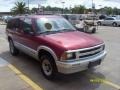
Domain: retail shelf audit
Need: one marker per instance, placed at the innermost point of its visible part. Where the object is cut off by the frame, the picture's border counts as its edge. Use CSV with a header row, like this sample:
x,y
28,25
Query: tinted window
x,y
73,17
109,18
17,23
65,16
10,24
27,24
13,23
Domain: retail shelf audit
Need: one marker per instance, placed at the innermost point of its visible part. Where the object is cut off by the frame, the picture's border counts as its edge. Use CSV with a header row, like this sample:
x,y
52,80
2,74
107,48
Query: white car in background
x,y
109,21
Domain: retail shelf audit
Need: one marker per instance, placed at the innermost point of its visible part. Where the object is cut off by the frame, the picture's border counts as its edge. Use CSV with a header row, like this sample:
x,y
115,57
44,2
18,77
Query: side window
x,y
27,25
72,17
17,23
13,23
65,16
112,19
109,19
10,24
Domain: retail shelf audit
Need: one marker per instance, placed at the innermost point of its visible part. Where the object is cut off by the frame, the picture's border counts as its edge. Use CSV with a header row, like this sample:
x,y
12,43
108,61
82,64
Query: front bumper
x,y
78,65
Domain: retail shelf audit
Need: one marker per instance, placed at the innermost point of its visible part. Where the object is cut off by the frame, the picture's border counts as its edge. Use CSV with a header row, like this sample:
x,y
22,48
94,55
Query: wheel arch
x,y
48,50
115,23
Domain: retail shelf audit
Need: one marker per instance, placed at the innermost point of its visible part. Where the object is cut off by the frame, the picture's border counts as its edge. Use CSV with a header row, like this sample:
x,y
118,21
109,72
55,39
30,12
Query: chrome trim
x,y
69,51
91,52
77,66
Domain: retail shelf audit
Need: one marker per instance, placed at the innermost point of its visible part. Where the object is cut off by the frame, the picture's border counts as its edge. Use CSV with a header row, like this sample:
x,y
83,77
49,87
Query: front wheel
x,y
48,67
114,24
13,50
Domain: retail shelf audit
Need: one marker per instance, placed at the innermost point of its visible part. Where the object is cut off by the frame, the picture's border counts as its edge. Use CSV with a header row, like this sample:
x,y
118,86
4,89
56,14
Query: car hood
x,y
73,40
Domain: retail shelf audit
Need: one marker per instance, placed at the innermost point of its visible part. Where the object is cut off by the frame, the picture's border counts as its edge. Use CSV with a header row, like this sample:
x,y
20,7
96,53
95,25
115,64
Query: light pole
x,y
100,9
28,6
92,7
63,7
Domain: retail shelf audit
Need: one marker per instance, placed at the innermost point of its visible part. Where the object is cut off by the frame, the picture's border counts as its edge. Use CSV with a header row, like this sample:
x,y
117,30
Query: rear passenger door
x,y
13,27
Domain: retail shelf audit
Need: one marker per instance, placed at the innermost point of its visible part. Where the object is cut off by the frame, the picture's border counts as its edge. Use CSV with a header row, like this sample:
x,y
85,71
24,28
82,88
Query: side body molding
x,y
48,50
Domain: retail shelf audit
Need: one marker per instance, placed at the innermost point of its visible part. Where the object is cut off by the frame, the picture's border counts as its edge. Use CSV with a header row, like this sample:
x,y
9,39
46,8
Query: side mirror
x,y
28,31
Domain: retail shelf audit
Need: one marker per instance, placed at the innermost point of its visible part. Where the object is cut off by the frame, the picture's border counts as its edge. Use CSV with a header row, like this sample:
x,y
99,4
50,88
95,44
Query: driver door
x,y
107,21
28,42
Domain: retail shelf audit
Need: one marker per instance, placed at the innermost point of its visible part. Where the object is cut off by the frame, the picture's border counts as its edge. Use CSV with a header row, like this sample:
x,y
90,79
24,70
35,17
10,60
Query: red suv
x,y
55,43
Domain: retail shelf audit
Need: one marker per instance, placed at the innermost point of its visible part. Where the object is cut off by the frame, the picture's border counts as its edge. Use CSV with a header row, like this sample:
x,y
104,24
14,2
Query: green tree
x,y
20,8
78,9
115,11
108,10
34,10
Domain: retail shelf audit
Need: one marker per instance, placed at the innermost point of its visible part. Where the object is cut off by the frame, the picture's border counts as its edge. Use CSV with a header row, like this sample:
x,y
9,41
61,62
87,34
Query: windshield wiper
x,y
66,30
57,31
48,32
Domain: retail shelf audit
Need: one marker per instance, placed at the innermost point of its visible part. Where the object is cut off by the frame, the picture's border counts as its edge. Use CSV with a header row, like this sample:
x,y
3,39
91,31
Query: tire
x,y
48,66
114,24
94,30
99,23
13,50
86,29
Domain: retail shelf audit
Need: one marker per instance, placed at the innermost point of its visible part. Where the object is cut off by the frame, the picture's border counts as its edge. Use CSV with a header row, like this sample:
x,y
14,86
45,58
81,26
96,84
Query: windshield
x,y
57,24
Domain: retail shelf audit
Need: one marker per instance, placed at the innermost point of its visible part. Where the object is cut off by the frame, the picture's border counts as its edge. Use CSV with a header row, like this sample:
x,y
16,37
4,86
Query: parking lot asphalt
x,y
103,77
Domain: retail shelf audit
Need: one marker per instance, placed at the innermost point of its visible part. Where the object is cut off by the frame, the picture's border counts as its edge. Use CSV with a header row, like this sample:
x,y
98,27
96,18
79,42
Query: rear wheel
x,y
114,24
94,30
48,67
13,50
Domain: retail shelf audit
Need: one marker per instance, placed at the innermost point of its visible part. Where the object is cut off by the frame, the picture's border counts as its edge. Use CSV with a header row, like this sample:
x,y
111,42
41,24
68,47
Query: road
x,y
103,77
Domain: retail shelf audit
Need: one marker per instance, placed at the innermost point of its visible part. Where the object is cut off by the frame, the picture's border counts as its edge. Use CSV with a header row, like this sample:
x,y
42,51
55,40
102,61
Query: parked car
x,y
75,19
101,17
109,21
72,18
54,42
6,18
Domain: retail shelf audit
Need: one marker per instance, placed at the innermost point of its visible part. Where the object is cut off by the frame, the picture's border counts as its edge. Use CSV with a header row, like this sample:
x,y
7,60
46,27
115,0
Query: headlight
x,y
67,56
103,47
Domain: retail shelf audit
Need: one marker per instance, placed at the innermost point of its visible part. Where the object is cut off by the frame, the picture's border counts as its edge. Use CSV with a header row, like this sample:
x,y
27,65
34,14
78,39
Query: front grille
x,y
90,52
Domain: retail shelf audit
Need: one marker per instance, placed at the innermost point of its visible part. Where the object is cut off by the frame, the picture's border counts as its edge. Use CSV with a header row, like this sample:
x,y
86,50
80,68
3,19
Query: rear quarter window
x,y
10,24
13,23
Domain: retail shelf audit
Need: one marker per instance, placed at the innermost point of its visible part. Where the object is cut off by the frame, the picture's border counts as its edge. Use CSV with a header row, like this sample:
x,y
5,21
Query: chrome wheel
x,y
47,68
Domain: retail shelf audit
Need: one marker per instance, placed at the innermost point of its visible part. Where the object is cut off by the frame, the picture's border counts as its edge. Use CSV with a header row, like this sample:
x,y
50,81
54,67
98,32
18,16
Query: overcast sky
x,y
6,5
